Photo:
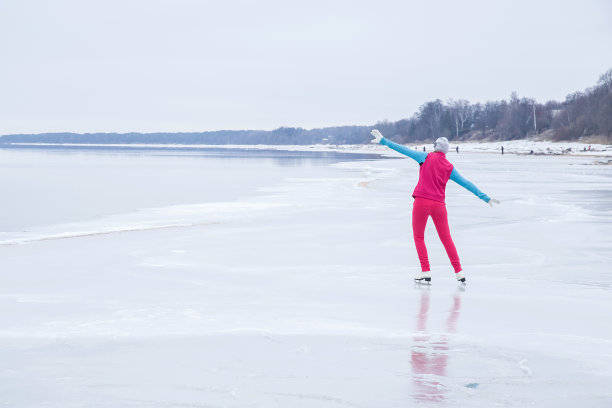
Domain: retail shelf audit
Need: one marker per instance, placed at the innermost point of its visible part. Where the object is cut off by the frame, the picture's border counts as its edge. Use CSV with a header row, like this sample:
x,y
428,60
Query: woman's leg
x,y
420,214
440,219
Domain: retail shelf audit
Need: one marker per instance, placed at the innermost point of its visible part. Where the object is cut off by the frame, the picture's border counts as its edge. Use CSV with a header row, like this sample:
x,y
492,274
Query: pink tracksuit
x,y
429,197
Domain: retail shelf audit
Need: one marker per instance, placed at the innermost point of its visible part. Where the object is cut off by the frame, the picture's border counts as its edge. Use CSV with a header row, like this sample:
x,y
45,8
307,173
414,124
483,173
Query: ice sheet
x,y
299,294
520,146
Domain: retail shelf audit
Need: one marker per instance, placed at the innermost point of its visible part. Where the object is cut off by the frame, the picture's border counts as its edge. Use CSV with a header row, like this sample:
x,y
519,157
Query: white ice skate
x,y
423,277
460,277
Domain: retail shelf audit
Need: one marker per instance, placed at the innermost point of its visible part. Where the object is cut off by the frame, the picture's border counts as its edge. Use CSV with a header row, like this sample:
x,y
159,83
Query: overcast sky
x,y
180,65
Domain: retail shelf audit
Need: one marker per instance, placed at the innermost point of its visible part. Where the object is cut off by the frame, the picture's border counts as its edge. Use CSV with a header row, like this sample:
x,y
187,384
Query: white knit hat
x,y
441,145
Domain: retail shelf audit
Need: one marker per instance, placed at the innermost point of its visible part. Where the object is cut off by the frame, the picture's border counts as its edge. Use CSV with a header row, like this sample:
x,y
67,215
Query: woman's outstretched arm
x,y
468,185
419,157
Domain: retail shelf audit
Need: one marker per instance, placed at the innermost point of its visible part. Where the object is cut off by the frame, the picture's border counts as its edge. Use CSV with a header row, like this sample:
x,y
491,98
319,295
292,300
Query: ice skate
x,y
423,277
460,277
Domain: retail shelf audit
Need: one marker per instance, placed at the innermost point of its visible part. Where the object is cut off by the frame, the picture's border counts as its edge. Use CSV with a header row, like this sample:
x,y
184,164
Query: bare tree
x,y
431,114
605,80
465,111
462,112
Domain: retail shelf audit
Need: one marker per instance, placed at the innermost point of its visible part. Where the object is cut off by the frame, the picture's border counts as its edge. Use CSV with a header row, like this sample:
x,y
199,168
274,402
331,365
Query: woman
x,y
429,196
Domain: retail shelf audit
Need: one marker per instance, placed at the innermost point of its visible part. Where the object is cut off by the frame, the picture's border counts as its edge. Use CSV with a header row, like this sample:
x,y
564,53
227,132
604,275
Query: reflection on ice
x,y
429,353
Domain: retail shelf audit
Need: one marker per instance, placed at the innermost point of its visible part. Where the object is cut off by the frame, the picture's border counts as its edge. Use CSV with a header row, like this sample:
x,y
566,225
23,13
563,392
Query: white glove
x,y
377,136
493,201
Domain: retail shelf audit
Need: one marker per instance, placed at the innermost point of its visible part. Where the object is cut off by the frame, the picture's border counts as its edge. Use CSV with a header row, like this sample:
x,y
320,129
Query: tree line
x,y
586,113
280,136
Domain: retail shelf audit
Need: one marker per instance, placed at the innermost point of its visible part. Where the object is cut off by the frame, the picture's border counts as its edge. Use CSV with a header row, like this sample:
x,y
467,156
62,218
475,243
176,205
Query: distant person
x,y
457,148
589,148
502,148
423,148
531,152
429,200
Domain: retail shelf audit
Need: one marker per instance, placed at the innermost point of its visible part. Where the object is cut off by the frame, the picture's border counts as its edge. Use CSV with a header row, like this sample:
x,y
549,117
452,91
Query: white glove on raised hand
x,y
377,136
493,201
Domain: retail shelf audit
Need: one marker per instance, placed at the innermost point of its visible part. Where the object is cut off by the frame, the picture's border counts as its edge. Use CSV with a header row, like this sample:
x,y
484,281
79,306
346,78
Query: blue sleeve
x,y
419,157
468,185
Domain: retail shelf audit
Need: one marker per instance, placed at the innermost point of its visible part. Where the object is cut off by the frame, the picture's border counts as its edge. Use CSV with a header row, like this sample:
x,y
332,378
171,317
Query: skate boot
x,y
460,277
423,277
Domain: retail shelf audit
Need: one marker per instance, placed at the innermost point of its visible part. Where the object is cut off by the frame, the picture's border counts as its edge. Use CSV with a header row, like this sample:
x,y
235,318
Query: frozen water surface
x,y
240,279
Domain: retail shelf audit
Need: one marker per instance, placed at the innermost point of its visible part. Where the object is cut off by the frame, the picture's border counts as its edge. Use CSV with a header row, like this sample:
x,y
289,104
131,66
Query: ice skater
x,y
429,196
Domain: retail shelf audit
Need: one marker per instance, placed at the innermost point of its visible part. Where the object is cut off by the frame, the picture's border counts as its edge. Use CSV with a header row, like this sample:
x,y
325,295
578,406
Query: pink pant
x,y
421,210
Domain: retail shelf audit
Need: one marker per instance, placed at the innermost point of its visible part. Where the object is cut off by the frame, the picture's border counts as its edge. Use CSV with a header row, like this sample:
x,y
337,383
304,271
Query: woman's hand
x,y
377,136
493,201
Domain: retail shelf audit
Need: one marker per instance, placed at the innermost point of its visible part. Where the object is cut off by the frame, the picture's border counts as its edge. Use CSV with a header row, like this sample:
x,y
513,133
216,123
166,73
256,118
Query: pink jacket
x,y
434,173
